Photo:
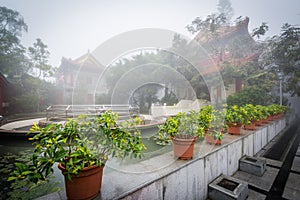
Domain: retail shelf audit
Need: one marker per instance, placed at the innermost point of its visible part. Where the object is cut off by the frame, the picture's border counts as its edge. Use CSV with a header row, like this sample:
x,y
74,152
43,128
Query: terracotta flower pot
x,y
271,118
183,148
86,185
210,140
250,126
258,123
265,121
234,129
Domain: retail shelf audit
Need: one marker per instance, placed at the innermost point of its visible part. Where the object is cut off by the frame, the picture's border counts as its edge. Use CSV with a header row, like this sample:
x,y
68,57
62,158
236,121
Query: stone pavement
x,y
281,179
21,123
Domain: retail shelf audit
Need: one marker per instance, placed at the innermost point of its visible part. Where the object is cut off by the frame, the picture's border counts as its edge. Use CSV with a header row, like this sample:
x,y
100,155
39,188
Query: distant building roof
x,y
233,39
87,61
3,79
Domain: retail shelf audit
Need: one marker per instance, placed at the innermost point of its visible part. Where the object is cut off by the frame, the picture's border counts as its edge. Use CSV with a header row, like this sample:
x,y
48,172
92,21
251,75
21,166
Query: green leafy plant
x,y
183,125
216,134
236,115
205,116
263,110
80,143
252,113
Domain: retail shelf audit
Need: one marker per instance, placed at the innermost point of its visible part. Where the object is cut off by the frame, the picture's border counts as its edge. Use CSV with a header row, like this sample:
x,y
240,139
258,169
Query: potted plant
x,y
216,131
183,129
252,116
235,117
214,136
260,115
81,147
265,113
205,117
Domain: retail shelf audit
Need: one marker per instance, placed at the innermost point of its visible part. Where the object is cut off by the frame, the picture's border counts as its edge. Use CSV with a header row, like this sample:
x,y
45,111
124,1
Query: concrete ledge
x,y
163,177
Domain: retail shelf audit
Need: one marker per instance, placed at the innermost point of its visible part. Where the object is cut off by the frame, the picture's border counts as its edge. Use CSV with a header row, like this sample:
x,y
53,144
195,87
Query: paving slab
x,y
298,151
253,195
275,163
296,164
263,182
292,189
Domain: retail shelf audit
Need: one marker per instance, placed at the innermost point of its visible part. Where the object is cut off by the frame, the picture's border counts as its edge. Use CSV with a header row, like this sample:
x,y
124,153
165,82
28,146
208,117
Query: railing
x,y
70,111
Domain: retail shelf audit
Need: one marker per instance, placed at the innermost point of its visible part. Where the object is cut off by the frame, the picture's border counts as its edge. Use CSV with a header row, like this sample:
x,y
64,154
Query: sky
x,y
71,28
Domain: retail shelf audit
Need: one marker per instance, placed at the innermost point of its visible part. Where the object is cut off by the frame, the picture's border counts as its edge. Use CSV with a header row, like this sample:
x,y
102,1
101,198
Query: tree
x,y
39,59
224,7
39,66
12,59
209,25
261,30
282,54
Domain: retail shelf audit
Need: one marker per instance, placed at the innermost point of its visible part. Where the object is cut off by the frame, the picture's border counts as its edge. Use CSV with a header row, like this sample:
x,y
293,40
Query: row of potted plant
x,y
82,146
184,128
250,116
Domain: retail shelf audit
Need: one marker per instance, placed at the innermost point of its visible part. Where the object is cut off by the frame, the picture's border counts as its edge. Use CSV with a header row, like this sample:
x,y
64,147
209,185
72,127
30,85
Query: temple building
x,y
79,79
227,45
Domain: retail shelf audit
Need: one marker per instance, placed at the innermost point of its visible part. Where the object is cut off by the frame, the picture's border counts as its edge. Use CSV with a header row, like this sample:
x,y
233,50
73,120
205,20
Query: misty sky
x,y
72,27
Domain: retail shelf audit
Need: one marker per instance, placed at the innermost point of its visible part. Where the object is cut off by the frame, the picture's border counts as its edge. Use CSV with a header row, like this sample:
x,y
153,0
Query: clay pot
x,y
210,140
250,126
183,148
86,185
258,123
234,129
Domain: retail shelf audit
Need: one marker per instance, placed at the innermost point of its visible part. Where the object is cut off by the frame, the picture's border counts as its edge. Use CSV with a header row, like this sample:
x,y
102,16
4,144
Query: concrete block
x,y
253,165
227,188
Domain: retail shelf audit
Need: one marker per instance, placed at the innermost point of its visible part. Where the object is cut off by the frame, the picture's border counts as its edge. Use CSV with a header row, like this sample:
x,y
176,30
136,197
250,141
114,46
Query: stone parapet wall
x,y
191,180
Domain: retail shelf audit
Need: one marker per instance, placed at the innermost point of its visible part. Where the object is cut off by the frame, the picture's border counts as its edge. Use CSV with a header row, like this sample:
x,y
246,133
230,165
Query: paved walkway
x,y
19,124
282,177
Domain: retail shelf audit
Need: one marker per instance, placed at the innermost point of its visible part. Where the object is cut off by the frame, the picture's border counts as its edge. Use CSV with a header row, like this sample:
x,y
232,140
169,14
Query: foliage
x,y
251,112
79,143
282,54
210,24
205,116
275,109
145,96
225,8
11,51
263,110
261,30
217,134
236,115
21,65
21,188
250,95
183,125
